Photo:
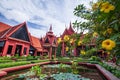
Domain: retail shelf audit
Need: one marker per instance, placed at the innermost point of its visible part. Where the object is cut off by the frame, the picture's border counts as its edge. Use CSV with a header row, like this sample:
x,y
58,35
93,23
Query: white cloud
x,y
42,12
16,15
36,32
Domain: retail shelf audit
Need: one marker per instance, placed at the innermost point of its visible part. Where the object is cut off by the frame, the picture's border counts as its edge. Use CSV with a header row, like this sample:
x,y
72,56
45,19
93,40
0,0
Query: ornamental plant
x,y
66,38
37,70
108,44
103,18
59,40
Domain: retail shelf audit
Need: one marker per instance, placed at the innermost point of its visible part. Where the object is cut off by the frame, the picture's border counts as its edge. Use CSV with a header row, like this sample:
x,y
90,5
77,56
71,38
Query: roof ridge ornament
x,y
50,28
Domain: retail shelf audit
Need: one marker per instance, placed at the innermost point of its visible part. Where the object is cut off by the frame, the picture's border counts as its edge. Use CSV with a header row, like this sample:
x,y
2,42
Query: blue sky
x,y
40,14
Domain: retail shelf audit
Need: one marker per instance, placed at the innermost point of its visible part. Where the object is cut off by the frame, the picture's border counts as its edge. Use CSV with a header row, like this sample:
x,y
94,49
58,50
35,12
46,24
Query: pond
x,y
57,72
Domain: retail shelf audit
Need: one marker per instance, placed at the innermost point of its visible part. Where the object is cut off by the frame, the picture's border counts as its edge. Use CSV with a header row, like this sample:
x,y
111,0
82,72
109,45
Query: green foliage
x,y
91,52
37,61
98,21
37,70
31,58
62,67
11,64
113,70
74,67
5,61
5,58
68,76
94,58
58,52
16,56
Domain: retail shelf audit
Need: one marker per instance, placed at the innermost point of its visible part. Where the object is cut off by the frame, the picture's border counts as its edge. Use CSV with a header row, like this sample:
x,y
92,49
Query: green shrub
x,y
93,62
113,70
94,58
31,58
37,61
91,52
5,61
5,58
11,64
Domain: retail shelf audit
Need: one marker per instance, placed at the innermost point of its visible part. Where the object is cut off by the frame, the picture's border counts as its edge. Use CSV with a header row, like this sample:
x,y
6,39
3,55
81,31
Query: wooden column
x,y
22,51
5,49
63,49
35,53
13,50
50,54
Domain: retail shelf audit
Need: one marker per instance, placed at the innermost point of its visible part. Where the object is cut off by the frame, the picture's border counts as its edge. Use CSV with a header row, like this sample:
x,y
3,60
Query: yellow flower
x,y
95,6
71,41
67,48
108,53
106,7
82,52
66,38
109,30
108,44
79,43
59,40
95,34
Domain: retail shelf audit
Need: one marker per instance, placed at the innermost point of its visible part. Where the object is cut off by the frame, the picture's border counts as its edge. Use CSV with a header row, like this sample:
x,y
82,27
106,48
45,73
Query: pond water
x,y
57,72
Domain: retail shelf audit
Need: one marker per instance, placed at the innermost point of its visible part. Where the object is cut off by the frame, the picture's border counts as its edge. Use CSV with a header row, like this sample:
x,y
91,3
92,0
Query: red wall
x,y
14,43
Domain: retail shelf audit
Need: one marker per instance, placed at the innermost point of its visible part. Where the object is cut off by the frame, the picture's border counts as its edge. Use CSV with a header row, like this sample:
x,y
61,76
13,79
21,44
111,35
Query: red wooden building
x,y
68,32
14,40
77,49
36,48
17,40
49,43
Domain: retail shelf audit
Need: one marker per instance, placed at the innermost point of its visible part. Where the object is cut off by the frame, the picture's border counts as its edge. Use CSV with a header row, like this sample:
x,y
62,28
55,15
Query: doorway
x,y
9,50
18,50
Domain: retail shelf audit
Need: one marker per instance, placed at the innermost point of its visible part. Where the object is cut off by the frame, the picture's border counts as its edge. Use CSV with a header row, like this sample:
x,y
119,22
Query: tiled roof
x,y
36,43
4,27
14,28
6,33
68,31
7,30
51,38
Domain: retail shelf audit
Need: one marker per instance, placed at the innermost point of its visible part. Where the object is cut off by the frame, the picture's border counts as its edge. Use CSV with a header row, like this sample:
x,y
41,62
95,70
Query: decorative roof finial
x,y
50,28
70,24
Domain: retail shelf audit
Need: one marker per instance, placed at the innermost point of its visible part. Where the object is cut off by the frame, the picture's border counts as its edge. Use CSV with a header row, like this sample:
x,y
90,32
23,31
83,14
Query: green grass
x,y
12,64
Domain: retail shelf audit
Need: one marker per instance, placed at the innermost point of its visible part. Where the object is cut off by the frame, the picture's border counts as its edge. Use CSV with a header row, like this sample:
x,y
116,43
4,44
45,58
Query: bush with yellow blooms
x,y
103,20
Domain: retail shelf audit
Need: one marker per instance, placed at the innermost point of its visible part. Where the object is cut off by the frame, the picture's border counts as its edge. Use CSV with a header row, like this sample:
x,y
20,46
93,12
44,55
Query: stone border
x,y
105,73
5,71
